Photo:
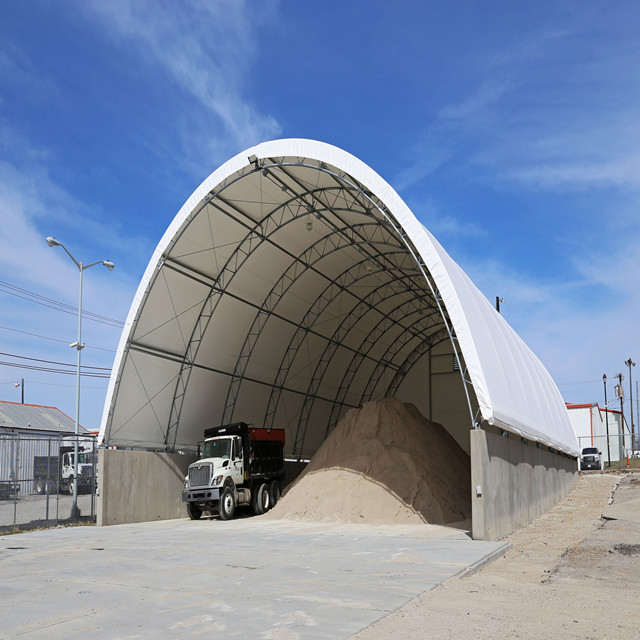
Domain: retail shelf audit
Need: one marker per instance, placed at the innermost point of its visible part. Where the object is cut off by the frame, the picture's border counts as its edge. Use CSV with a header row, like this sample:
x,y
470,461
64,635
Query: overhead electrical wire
x,y
35,335
85,370
30,296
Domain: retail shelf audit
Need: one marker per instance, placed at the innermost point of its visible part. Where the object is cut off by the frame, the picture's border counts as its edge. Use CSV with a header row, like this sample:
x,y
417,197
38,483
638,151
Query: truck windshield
x,y
589,451
218,448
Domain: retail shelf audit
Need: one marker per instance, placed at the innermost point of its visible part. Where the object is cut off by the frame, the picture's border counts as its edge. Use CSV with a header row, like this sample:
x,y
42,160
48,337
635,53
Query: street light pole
x,y
606,417
20,384
78,345
630,363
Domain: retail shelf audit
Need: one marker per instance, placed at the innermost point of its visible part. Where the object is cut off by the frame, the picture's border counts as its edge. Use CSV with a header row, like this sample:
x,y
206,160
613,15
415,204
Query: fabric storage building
x,y
294,284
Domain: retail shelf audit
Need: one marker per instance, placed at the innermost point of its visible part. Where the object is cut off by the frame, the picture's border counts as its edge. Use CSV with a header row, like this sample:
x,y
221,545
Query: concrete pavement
x,y
250,578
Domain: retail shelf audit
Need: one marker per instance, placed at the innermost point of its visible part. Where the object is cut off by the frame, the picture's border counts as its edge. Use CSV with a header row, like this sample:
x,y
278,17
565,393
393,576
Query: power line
x,y
52,370
53,384
63,364
35,335
85,370
30,296
68,386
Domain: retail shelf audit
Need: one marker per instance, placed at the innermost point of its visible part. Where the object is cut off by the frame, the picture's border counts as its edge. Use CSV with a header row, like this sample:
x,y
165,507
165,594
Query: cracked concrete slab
x,y
250,577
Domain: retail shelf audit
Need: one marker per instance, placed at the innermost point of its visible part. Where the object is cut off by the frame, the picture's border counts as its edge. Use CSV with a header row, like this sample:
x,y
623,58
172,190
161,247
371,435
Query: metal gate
x,y
33,493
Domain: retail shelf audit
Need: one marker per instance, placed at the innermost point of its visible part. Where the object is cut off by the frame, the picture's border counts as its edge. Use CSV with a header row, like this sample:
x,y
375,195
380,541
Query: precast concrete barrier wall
x,y
513,482
139,486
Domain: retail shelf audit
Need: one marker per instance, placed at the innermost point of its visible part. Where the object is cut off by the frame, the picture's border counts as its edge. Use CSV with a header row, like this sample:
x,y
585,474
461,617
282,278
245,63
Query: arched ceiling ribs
x,y
361,196
434,319
304,201
403,310
396,286
282,214
335,241
349,375
257,233
413,357
431,321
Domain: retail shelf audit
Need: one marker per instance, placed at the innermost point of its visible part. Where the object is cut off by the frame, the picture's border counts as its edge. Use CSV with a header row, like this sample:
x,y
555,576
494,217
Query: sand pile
x,y
383,464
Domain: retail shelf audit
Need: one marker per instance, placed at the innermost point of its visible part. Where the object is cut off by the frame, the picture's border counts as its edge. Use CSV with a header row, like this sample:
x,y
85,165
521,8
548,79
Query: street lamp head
x,y
52,242
108,264
604,377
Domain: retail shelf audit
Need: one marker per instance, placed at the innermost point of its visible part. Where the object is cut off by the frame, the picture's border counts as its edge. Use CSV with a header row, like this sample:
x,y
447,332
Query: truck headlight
x,y
216,481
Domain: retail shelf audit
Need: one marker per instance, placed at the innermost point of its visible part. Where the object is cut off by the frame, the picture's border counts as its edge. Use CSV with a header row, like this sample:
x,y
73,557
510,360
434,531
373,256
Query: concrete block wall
x,y
139,486
517,481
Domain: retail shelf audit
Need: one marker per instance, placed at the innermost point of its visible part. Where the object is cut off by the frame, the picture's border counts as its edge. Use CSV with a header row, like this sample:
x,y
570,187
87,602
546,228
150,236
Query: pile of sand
x,y
383,464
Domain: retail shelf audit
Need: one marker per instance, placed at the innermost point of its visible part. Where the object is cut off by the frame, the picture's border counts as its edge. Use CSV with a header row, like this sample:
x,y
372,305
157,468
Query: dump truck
x,y
239,465
53,474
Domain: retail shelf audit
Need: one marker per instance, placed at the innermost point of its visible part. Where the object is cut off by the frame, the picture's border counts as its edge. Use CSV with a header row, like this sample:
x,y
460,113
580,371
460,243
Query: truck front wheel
x,y
70,486
227,507
194,511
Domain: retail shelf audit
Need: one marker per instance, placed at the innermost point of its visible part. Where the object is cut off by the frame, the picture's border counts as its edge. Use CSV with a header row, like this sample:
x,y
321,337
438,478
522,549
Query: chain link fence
x,y
37,478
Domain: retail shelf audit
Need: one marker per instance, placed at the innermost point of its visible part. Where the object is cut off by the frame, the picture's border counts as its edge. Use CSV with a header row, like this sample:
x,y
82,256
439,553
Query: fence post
x,y
14,479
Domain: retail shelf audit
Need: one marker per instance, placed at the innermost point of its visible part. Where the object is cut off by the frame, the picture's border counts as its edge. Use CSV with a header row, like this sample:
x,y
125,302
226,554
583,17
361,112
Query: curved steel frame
x,y
303,202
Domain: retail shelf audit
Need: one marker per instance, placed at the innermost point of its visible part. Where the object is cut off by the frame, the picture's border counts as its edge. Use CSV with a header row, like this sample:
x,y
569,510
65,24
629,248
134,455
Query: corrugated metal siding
x,y
31,417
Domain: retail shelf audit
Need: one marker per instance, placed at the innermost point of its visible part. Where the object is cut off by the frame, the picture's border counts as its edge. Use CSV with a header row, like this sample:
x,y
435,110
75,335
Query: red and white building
x,y
591,423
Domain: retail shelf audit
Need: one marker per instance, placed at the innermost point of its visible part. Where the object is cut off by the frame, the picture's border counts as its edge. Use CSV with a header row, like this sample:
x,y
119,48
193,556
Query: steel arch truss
x,y
384,248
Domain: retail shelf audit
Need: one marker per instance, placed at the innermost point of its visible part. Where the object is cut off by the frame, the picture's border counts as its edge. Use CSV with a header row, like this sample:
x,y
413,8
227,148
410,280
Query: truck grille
x,y
200,476
86,472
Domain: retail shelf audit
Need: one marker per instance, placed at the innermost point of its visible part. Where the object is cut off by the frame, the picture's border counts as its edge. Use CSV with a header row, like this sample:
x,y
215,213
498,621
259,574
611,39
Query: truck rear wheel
x,y
227,506
274,493
261,501
194,511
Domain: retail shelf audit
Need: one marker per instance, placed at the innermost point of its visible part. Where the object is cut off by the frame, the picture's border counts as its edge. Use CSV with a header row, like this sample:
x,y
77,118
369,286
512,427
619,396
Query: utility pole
x,y
637,443
20,384
606,416
620,394
630,363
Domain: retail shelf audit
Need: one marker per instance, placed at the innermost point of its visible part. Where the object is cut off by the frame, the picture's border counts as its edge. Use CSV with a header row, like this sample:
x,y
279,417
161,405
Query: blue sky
x,y
511,129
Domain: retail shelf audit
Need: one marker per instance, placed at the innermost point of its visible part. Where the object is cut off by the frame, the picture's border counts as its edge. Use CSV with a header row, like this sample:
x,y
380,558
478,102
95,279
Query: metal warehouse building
x,y
293,285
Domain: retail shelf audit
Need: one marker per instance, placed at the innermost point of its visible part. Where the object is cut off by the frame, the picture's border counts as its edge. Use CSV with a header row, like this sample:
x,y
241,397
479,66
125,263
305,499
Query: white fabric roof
x,y
293,284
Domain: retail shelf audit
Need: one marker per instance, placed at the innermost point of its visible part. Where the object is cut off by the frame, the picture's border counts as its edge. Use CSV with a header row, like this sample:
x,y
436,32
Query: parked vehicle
x,y
591,458
240,465
53,474
9,490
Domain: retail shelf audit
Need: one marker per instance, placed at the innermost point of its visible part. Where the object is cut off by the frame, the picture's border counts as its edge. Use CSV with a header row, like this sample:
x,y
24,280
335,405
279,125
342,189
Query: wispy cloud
x,y
206,48
476,105
444,225
33,206
580,326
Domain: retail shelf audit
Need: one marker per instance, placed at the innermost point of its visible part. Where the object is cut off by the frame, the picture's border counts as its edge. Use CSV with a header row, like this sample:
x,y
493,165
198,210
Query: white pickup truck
x,y
591,458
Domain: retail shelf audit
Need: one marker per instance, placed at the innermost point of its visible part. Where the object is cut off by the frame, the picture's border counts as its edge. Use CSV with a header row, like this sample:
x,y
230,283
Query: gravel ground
x,y
30,512
570,574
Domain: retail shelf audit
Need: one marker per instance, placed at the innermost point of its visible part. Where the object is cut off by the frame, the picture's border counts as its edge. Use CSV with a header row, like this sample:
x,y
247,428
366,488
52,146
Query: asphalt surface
x,y
249,578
